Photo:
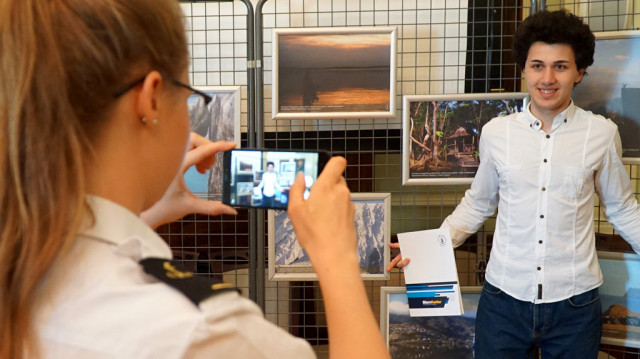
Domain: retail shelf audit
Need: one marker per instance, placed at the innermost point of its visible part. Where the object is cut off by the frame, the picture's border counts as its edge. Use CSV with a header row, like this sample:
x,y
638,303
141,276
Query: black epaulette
x,y
194,287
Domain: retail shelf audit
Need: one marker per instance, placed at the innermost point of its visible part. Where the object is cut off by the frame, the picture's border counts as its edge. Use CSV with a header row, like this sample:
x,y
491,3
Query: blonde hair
x,y
62,61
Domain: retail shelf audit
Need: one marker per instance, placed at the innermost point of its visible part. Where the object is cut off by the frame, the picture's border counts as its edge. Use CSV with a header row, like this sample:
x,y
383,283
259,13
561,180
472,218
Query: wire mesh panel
x,y
216,245
217,43
603,15
432,44
443,47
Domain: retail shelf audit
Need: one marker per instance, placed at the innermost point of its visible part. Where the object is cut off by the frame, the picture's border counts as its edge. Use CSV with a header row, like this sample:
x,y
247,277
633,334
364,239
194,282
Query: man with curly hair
x,y
541,169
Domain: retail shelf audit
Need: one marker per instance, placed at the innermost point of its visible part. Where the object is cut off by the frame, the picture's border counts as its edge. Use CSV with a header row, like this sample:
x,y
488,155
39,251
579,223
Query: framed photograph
x,y
288,167
288,261
441,133
427,337
338,72
244,167
620,298
612,87
217,121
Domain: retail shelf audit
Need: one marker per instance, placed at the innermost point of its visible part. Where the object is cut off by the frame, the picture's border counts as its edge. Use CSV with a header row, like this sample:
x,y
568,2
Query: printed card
x,y
431,277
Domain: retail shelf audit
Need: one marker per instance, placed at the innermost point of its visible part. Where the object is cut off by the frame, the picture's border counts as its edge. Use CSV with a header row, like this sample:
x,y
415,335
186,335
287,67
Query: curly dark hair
x,y
555,27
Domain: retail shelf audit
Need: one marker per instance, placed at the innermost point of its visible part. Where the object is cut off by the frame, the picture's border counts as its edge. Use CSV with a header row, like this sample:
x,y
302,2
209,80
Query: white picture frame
x,y
289,262
218,121
459,120
334,73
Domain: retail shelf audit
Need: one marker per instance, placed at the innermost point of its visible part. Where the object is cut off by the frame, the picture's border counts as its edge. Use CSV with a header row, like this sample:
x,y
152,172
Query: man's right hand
x,y
397,261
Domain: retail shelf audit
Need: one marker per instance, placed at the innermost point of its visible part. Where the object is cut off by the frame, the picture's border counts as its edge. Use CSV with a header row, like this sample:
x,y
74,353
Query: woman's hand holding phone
x,y
177,200
324,225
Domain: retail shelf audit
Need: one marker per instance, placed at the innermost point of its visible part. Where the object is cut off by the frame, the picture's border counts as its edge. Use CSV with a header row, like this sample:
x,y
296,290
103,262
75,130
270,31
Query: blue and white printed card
x,y
431,277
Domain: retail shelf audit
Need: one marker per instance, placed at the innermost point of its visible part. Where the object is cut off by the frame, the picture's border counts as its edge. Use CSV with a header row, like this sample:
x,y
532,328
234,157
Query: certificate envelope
x,y
431,277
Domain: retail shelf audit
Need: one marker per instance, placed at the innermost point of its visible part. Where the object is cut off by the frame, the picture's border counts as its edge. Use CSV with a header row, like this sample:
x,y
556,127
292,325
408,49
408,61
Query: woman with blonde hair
x,y
93,134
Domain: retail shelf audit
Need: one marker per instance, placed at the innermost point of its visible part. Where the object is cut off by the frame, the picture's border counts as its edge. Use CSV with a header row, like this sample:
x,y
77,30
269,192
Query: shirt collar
x,y
117,225
561,118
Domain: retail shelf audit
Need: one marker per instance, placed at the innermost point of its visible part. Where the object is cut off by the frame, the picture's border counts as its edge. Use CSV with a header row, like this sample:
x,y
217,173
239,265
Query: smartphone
x,y
262,178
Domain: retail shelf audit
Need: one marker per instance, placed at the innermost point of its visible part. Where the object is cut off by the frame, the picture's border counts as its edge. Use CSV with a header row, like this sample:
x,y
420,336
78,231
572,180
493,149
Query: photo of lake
x,y
450,337
334,72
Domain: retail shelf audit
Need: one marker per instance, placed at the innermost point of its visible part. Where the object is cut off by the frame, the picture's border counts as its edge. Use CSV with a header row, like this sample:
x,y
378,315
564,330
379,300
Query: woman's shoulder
x,y
107,303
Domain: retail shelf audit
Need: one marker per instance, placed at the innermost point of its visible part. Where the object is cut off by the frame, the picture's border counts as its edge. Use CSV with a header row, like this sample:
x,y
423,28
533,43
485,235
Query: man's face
x,y
270,167
551,73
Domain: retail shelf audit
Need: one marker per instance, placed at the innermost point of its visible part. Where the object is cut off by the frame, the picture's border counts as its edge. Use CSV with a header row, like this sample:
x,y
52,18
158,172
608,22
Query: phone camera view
x,y
262,179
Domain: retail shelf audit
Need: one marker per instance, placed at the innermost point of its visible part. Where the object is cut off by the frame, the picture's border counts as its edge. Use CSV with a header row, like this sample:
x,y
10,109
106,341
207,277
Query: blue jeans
x,y
508,328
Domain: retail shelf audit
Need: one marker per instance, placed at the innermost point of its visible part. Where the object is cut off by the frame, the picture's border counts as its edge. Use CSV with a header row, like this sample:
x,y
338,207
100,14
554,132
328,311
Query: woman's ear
x,y
147,104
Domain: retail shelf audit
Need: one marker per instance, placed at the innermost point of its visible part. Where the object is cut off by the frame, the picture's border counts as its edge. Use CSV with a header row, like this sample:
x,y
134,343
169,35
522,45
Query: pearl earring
x,y
153,122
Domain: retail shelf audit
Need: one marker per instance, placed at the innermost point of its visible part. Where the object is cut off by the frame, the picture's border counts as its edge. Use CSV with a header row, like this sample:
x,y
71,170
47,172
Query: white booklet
x,y
431,277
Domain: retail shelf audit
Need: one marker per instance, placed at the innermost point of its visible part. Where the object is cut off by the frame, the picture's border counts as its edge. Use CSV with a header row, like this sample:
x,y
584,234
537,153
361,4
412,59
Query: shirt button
x,y
548,136
536,123
539,268
544,188
545,160
540,241
565,120
542,216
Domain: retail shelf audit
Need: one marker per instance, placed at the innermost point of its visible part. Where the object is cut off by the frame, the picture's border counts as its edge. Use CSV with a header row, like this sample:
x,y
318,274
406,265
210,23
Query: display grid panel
x,y
442,47
603,15
216,246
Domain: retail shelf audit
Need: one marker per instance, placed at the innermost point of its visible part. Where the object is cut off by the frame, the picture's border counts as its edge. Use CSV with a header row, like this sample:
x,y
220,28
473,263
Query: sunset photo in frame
x,y
217,121
441,133
427,337
611,87
288,261
334,73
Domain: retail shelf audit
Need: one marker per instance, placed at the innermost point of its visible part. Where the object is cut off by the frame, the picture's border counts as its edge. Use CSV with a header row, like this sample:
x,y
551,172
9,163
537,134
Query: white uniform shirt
x,y
99,303
543,186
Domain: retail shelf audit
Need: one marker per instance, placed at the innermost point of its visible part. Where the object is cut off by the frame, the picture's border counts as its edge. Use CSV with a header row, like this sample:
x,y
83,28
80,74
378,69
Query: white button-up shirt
x,y
543,185
98,303
269,184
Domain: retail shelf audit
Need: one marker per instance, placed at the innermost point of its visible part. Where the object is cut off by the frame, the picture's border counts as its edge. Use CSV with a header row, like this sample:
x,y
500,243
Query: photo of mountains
x,y
370,231
217,121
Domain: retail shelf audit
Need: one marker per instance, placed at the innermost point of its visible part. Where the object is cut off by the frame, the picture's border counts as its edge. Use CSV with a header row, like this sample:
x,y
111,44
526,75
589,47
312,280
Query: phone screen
x,y
262,178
